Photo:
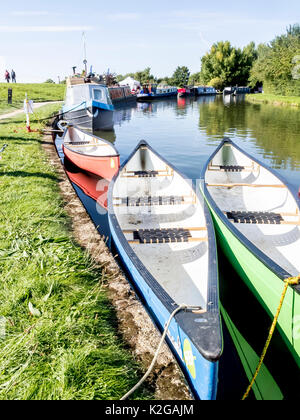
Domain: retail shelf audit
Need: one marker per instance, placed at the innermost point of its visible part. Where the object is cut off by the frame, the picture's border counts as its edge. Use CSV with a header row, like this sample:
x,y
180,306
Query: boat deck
x,y
177,258
250,189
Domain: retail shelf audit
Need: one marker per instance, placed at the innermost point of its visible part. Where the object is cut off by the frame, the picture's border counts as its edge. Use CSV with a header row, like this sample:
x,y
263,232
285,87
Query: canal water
x,y
186,131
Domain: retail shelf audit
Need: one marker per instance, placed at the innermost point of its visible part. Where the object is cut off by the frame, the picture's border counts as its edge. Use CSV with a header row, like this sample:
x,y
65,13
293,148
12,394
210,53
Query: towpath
x,y
20,111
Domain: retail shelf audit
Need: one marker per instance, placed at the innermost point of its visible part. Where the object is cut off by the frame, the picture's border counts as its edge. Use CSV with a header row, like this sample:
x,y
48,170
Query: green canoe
x,y
257,221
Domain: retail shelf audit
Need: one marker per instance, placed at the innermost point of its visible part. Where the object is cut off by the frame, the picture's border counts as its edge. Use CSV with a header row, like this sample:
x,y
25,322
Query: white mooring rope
x,y
178,309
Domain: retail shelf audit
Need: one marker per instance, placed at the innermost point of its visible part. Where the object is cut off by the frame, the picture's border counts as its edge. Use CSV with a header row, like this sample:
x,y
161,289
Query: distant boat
x,y
205,90
185,91
228,90
241,90
90,153
257,221
152,91
164,235
88,105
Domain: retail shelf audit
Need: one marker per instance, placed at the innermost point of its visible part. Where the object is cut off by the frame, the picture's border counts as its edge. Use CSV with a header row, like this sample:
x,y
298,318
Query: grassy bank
x,y
274,99
58,331
38,92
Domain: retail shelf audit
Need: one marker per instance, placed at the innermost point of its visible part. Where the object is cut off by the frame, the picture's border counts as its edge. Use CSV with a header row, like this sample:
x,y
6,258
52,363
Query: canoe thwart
x,y
191,229
247,185
257,217
147,174
162,236
153,201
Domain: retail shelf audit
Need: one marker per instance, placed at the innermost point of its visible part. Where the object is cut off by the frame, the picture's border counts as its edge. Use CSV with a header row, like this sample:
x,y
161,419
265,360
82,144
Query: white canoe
x,y
164,234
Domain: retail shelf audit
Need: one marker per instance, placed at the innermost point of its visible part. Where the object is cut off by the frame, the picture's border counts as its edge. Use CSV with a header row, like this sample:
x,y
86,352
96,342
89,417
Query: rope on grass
x,y
178,309
292,281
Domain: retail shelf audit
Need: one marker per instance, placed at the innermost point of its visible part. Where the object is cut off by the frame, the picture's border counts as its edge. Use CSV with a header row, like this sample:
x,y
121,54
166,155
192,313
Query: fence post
x,y
9,98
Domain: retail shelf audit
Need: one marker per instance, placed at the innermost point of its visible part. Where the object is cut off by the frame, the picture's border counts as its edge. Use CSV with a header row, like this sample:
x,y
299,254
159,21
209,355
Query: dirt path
x,y
20,111
135,324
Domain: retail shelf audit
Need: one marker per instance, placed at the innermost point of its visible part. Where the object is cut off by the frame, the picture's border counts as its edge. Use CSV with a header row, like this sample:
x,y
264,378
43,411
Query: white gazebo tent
x,y
129,81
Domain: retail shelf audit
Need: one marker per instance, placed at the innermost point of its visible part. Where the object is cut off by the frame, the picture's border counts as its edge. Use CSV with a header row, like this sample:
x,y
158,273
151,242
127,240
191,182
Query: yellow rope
x,y
292,281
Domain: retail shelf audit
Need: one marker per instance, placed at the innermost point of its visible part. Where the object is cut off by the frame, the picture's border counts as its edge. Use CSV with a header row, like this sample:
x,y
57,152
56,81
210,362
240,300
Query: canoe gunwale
x,y
184,318
90,135
268,262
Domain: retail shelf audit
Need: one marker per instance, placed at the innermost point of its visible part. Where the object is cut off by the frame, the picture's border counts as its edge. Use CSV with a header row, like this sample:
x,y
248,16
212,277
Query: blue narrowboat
x,y
152,91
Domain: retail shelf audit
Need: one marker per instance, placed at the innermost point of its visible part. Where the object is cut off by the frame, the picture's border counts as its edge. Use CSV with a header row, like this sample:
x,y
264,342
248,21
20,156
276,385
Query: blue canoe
x,y
164,236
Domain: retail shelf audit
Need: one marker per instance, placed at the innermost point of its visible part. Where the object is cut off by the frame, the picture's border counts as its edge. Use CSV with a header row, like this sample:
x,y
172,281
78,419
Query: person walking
x,y
13,77
7,76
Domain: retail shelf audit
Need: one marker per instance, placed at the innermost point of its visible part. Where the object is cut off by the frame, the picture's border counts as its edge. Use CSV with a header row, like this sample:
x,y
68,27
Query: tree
x,y
50,81
181,76
217,83
228,64
145,76
194,79
277,64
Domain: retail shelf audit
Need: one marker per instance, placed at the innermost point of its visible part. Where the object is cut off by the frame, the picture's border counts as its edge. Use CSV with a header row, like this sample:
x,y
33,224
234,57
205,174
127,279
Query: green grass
x,y
38,92
274,99
60,339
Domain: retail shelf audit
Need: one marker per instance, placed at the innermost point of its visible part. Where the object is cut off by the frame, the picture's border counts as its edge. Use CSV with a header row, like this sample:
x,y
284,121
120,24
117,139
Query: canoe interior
x,y
258,204
81,142
149,195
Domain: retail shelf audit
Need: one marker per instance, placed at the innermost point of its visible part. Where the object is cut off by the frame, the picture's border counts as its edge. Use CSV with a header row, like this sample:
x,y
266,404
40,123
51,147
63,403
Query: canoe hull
x,y
103,166
203,375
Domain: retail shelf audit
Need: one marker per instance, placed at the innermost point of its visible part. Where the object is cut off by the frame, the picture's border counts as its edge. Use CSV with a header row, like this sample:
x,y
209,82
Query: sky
x,y
43,39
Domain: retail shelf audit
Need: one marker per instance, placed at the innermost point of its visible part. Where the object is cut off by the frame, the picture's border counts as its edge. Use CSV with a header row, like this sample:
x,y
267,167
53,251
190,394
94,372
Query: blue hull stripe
x,y
88,104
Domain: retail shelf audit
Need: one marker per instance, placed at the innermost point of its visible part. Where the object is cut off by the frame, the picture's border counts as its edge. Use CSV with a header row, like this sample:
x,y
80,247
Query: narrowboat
x,y
88,105
185,91
228,90
152,91
205,90
257,221
90,153
164,235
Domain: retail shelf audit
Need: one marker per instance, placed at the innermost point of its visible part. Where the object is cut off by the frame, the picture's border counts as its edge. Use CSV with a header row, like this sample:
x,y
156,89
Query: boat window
x,y
98,95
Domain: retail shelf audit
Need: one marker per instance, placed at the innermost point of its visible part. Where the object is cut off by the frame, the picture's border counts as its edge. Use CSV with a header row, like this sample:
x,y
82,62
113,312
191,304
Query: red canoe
x,y
92,185
91,153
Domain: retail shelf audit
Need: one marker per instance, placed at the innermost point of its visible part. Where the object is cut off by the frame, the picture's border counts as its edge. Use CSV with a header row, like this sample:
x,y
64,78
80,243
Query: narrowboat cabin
x,y
205,90
88,105
152,91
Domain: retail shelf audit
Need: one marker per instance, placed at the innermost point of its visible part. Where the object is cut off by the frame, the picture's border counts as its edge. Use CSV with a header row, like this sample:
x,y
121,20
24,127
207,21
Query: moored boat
x,y
121,95
92,185
257,221
88,104
152,91
90,153
205,90
164,235
228,90
185,91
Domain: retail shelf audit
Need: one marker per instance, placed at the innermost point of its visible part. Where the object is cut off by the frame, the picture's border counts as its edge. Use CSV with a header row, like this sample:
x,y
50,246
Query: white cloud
x,y
29,13
15,29
123,16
